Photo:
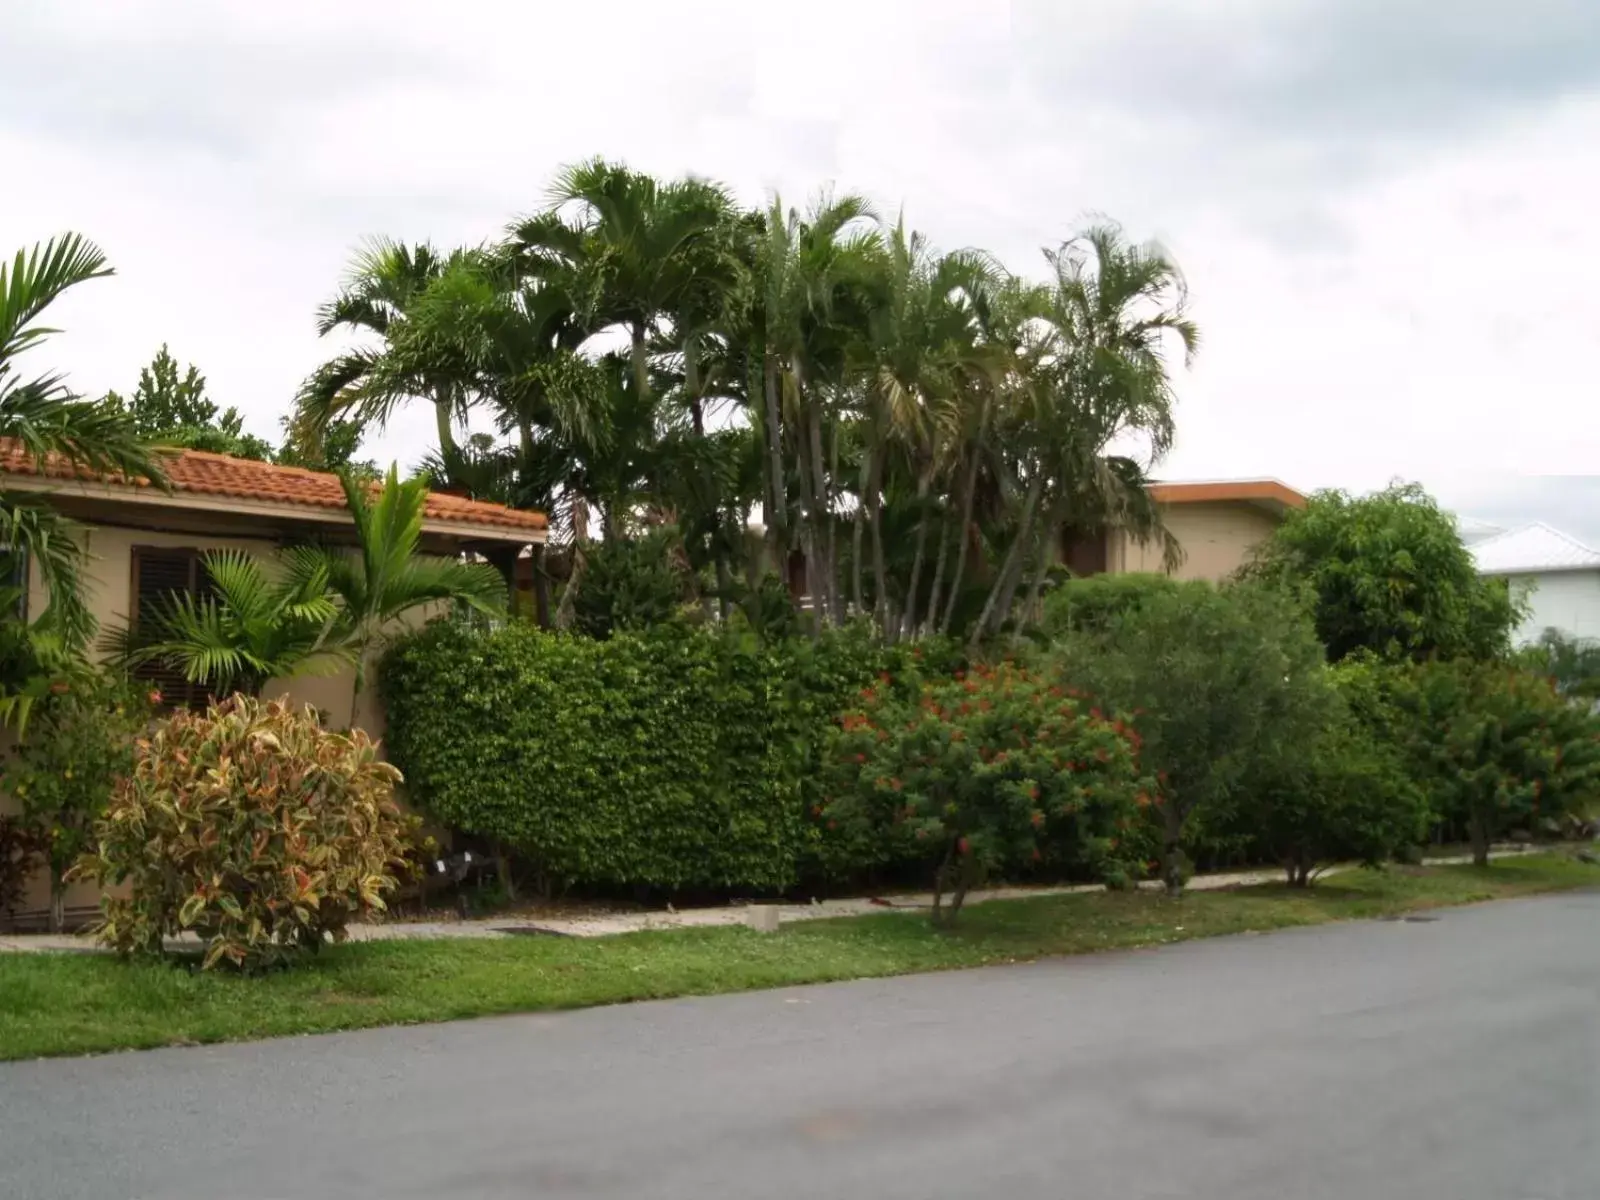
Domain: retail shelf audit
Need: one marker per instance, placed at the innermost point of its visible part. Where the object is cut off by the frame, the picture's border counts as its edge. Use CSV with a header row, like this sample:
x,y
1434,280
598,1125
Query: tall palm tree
x,y
50,423
385,283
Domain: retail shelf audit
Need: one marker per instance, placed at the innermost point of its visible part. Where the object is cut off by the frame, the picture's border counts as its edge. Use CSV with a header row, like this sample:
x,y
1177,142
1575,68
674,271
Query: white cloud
x,y
1386,231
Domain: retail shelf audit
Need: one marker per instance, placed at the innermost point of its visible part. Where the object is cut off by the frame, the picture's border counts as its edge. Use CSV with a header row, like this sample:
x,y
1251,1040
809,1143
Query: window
x,y
160,572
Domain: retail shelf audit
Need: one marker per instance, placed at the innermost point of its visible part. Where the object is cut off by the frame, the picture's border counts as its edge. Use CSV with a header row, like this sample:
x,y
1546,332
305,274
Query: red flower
x,y
1036,856
861,758
1037,820
1033,792
963,846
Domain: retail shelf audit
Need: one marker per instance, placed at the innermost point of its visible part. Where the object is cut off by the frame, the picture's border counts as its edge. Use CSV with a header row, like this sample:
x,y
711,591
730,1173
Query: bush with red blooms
x,y
984,772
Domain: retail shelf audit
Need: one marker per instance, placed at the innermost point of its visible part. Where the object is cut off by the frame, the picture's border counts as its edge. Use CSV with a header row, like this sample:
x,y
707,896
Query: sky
x,y
1385,209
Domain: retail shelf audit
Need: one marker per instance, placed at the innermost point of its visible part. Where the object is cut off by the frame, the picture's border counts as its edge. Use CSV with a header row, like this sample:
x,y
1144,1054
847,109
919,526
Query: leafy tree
x,y
329,447
1389,574
1221,681
1573,662
173,410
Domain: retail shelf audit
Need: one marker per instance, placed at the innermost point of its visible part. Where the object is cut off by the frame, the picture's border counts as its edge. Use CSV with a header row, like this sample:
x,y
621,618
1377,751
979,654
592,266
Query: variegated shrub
x,y
251,826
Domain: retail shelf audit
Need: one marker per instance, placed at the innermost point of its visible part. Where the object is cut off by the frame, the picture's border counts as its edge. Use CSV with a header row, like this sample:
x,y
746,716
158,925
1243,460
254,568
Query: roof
x,y
221,476
1267,492
1532,549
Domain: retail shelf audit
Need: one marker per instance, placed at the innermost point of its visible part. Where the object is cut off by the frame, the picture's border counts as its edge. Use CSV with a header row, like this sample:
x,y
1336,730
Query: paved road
x,y
1457,1059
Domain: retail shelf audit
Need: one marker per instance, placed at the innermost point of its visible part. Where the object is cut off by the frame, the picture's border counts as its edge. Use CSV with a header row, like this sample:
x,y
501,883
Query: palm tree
x,y
385,284
49,422
387,577
254,625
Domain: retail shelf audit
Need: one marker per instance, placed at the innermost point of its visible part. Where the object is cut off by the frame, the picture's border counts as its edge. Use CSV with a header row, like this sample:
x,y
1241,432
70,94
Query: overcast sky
x,y
1386,209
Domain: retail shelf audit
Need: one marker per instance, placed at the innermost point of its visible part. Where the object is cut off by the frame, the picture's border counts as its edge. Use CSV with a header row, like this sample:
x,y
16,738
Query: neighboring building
x,y
1558,575
1473,531
1217,524
145,542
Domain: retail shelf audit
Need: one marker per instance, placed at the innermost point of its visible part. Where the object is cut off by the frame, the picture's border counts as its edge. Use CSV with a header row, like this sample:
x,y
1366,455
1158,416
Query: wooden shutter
x,y
159,572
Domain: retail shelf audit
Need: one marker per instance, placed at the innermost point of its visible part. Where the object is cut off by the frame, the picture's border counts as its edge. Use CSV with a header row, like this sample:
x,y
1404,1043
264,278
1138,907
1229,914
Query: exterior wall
x,y
1564,600
1216,536
108,591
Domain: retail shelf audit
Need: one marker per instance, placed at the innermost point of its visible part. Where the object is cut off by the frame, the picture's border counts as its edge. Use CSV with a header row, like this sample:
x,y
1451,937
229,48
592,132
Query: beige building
x,y
145,543
1216,525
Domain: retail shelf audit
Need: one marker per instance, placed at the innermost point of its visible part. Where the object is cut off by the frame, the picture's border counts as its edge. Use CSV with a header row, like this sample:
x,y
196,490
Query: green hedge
x,y
673,758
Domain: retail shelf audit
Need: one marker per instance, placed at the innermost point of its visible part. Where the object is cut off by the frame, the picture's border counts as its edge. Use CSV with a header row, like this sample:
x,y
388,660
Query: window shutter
x,y
160,572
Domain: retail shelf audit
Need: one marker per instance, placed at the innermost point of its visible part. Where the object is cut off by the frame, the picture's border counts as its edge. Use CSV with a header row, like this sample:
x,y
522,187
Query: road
x,y
1453,1059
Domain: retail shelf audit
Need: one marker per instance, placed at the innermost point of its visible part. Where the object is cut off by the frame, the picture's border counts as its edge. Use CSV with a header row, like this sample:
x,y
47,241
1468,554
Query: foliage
x,y
173,410
648,759
920,428
630,583
1224,683
1096,601
251,826
1500,747
19,859
251,626
48,421
1389,574
79,743
976,773
1346,794
1573,662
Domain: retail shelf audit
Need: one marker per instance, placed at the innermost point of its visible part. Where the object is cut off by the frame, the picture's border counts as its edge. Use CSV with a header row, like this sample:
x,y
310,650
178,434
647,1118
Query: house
x,y
1557,575
144,542
1216,524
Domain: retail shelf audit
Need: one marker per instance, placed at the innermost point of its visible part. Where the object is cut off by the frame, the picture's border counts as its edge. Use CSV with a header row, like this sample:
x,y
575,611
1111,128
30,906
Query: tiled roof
x,y
1530,549
199,473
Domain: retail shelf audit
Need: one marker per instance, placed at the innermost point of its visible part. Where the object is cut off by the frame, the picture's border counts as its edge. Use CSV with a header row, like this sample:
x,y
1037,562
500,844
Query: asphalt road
x,y
1454,1059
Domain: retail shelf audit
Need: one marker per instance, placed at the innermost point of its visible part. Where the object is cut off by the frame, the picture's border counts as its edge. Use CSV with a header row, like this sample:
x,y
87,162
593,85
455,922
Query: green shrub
x,y
629,583
78,744
644,760
1095,601
1500,748
251,826
976,775
1222,683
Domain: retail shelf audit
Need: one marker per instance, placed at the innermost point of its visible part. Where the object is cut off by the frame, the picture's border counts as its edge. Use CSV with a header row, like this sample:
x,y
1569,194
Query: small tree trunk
x,y
1172,854
777,519
58,901
443,416
909,618
1478,832
935,591
641,362
502,870
880,571
819,507
541,589
1030,606
856,595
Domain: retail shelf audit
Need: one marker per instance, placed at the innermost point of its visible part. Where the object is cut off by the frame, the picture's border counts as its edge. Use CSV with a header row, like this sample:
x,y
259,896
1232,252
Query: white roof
x,y
1530,549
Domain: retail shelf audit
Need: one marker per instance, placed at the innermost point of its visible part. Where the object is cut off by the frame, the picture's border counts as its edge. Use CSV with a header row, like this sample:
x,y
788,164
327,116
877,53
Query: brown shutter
x,y
158,573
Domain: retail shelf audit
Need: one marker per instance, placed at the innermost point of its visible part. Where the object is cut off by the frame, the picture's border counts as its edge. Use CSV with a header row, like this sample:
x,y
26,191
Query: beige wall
x,y
1216,536
108,590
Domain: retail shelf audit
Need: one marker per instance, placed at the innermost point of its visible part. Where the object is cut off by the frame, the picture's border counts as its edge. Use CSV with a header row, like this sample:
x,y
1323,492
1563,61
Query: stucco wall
x,y
108,591
1564,600
1216,540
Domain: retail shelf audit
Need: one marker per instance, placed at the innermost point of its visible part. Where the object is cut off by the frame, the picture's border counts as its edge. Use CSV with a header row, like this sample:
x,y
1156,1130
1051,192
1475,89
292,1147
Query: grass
x,y
52,1004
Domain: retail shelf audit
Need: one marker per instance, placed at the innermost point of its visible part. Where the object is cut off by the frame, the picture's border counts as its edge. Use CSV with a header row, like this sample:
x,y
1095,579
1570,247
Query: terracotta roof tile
x,y
203,474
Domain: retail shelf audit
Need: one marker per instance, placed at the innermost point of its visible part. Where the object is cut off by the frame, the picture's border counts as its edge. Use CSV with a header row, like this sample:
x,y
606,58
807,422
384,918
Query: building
x,y
1557,575
1217,524
144,542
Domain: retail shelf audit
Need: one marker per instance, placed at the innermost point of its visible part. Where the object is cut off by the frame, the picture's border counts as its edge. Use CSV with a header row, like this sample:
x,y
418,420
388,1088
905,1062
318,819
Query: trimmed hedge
x,y
672,758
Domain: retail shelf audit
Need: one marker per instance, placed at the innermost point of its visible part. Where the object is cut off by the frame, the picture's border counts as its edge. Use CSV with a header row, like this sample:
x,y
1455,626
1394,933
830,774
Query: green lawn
x,y
72,1004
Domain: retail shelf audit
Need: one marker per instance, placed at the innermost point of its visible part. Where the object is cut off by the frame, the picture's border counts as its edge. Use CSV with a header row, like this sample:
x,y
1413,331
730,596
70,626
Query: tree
x,y
1220,682
1389,574
43,417
173,410
331,447
253,625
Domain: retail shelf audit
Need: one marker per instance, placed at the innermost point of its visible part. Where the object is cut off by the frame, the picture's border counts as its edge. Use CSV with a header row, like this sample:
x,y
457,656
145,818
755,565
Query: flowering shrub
x,y
251,826
984,772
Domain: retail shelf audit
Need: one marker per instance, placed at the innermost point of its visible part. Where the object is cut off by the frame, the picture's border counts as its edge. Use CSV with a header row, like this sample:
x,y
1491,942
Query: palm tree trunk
x,y
964,531
641,362
909,619
1030,606
835,587
819,506
565,611
938,576
856,546
691,385
880,571
1004,586
777,487
443,415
